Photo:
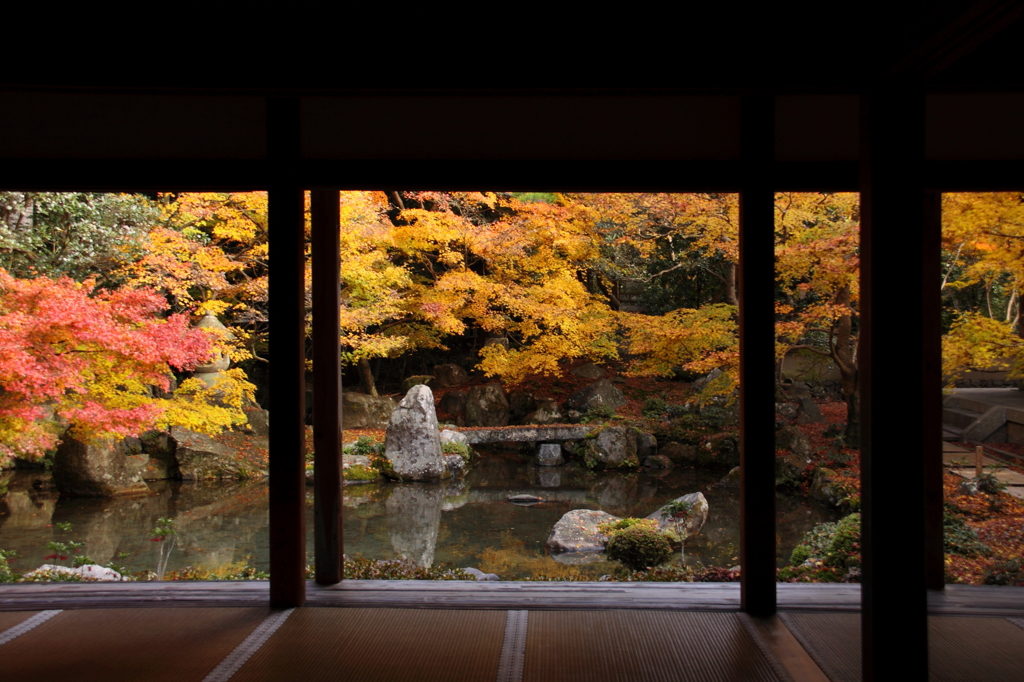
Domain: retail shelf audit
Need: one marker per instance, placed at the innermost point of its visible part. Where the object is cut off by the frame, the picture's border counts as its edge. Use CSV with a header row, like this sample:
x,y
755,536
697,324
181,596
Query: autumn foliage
x,y
72,355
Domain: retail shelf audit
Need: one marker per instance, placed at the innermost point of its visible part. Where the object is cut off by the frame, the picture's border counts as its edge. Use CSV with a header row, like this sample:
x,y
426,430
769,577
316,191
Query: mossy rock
x,y
358,472
613,447
638,547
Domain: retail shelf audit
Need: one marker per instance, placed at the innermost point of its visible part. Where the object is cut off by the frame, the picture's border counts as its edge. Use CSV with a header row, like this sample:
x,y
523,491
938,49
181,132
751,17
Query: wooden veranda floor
x,y
507,631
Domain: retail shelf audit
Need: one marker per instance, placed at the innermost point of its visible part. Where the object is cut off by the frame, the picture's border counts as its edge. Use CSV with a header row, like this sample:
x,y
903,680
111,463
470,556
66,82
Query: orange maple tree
x,y
91,358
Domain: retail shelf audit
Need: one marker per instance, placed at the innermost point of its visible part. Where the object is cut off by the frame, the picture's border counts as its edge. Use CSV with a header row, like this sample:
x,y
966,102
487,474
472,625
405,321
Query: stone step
x,y
951,433
958,417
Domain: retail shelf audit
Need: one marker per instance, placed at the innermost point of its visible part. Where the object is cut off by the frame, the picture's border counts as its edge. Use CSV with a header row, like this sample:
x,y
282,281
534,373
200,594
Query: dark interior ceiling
x,y
940,44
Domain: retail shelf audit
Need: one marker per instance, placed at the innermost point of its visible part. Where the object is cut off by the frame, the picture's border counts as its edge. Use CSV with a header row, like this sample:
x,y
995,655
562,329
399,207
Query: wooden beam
x,y
327,534
894,430
757,359
931,389
287,306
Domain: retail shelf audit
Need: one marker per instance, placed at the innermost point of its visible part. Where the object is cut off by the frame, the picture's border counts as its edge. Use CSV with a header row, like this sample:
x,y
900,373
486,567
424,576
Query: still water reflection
x,y
467,523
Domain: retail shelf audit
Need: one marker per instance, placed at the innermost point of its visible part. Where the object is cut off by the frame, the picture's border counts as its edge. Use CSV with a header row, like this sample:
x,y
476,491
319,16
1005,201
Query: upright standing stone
x,y
412,443
549,455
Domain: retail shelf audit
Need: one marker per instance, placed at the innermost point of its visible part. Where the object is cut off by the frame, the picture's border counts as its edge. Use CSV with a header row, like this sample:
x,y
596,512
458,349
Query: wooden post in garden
x,y
979,453
326,387
287,311
757,358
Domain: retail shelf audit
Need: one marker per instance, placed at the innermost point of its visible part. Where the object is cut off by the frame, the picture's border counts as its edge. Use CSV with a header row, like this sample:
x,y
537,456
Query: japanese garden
x,y
537,386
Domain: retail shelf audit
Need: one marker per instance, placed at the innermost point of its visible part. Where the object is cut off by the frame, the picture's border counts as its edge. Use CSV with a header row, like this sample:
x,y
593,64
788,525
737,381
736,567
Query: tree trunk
x,y
846,360
366,377
730,285
852,393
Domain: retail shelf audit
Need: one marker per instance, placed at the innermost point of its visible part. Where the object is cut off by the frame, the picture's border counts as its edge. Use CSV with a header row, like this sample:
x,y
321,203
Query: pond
x,y
466,523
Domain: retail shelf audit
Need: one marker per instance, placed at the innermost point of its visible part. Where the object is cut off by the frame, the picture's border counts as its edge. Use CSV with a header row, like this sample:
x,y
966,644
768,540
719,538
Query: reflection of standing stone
x,y
412,443
549,478
414,514
210,372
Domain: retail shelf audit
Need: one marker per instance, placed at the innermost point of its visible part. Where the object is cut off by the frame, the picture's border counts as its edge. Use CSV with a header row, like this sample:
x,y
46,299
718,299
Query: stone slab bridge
x,y
547,438
525,434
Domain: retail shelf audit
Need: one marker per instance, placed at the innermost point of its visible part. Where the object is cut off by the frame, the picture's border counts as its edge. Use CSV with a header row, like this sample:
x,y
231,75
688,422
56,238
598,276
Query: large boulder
x,y
257,421
679,453
449,375
614,447
577,531
809,412
588,371
361,411
200,457
792,439
162,464
599,394
694,520
546,413
787,410
646,445
416,380
825,489
412,443
453,405
789,468
487,406
520,405
701,383
99,469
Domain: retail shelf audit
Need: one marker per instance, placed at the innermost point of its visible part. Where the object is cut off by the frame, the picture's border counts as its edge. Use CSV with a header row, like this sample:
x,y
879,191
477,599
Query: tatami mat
x,y
107,645
382,645
652,646
960,648
8,619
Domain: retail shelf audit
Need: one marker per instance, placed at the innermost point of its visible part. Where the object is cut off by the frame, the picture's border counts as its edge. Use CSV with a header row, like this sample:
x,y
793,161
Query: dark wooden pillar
x,y
287,305
931,389
895,433
326,387
757,358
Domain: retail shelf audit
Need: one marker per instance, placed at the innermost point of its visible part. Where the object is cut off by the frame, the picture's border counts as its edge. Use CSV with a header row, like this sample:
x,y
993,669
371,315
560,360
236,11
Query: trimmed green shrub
x,y
638,547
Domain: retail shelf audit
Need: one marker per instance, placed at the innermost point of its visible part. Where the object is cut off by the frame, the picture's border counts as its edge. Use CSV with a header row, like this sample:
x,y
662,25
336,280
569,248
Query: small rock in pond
x,y
480,575
525,499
